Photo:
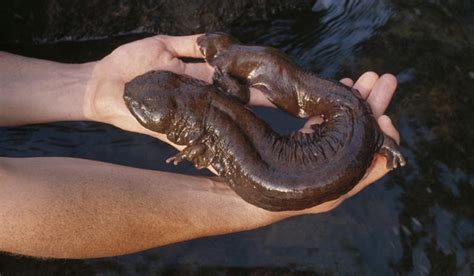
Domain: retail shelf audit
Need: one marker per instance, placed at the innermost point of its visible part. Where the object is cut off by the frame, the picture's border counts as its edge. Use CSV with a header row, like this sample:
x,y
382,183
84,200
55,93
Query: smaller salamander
x,y
266,169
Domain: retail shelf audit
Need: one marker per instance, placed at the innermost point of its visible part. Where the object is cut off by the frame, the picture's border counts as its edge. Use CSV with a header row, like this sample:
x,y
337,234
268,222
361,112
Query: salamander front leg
x,y
199,154
391,151
231,86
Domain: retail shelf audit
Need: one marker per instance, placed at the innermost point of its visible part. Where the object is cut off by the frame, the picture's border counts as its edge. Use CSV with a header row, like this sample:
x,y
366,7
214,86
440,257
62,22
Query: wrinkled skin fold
x,y
266,169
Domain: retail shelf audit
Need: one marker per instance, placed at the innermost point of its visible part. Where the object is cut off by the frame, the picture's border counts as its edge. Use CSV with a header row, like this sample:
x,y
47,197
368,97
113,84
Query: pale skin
x,y
73,208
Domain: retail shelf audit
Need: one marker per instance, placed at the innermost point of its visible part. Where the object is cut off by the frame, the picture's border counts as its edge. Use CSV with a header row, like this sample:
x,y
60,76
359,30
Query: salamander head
x,y
212,43
162,100
147,97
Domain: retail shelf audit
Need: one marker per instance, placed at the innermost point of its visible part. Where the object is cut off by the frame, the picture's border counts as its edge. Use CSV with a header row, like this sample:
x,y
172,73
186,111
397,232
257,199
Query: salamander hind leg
x,y
199,154
391,151
231,86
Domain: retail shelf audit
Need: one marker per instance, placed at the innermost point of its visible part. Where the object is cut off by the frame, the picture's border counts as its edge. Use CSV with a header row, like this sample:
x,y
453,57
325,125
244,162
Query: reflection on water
x,y
417,220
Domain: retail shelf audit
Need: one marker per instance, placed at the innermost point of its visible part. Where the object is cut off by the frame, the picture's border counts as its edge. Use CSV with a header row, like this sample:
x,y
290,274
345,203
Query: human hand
x,y
104,97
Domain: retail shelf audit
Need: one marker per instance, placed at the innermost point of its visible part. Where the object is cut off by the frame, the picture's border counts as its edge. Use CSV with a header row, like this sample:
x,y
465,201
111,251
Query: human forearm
x,y
50,208
40,91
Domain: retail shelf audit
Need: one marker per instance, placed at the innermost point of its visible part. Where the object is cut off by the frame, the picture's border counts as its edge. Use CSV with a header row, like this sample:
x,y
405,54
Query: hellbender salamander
x,y
269,170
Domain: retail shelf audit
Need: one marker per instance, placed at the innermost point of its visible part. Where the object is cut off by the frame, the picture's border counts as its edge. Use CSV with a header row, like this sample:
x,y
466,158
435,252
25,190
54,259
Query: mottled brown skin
x,y
266,169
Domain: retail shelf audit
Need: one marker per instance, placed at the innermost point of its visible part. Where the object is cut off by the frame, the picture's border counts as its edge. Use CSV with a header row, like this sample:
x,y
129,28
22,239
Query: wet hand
x,y
104,102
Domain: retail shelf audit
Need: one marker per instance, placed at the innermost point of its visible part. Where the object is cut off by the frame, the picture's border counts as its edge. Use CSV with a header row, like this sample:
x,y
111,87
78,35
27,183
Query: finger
x,y
382,93
365,83
200,71
181,46
347,82
388,128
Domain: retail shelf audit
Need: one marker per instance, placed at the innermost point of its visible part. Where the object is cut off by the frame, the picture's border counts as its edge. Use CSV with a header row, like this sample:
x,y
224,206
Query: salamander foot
x,y
391,151
199,154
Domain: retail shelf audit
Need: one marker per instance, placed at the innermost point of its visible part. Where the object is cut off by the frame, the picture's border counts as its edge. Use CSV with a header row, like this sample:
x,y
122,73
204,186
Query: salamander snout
x,y
211,44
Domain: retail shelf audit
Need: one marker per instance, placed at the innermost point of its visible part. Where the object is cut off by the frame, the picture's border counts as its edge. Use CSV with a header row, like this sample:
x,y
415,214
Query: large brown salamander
x,y
268,170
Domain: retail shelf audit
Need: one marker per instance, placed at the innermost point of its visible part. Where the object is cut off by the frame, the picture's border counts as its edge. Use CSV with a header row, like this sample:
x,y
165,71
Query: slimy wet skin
x,y
269,170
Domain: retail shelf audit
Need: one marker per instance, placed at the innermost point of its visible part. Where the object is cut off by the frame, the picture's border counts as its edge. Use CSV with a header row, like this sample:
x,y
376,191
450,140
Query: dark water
x,y
418,220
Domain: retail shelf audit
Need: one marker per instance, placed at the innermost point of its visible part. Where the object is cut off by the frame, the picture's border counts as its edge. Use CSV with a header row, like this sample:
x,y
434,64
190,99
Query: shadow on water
x,y
417,220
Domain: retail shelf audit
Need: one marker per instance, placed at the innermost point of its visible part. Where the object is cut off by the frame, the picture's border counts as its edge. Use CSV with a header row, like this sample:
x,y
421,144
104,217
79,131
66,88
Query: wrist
x,y
67,92
103,94
81,79
90,92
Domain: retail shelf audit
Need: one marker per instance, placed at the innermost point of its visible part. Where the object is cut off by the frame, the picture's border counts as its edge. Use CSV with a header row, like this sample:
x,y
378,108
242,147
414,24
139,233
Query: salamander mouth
x,y
139,111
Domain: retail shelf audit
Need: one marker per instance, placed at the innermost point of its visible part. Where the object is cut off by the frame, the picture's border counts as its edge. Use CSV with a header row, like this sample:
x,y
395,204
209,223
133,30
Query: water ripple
x,y
322,40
